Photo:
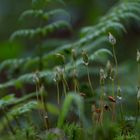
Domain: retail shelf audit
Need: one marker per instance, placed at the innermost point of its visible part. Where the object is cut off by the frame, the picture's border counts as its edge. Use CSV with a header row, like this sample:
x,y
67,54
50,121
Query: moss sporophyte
x,y
81,85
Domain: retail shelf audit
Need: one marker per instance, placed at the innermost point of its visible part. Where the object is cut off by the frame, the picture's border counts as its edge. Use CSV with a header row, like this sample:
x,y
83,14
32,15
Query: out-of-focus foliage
x,y
55,78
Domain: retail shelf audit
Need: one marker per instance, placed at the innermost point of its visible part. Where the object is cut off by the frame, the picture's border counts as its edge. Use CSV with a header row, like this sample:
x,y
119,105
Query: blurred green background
x,y
83,13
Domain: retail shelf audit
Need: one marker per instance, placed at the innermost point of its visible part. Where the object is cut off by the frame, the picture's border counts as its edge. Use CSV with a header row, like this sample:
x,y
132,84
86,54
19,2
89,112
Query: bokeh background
x,y
83,13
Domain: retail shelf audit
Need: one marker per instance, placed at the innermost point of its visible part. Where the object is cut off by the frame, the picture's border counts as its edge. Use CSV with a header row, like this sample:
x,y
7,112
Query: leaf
x,y
99,53
52,109
43,15
70,98
40,31
7,100
25,108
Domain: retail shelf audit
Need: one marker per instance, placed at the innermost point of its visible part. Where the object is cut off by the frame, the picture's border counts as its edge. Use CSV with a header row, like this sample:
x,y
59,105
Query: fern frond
x,y
7,100
26,78
116,17
29,106
27,63
43,15
112,21
49,74
100,52
17,110
41,31
13,62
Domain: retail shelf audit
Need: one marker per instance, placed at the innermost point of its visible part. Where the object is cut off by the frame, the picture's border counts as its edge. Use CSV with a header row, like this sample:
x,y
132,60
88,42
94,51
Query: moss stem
x,y
89,80
58,93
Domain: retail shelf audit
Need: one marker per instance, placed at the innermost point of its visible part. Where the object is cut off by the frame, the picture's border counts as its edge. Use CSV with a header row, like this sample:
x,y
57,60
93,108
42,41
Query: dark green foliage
x,y
54,83
40,32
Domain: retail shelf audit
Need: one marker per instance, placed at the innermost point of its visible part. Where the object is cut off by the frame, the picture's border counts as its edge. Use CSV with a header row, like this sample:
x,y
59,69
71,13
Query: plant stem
x,y
116,63
113,104
46,120
113,88
138,103
121,111
75,81
64,82
137,113
42,96
64,88
117,78
76,85
58,93
138,74
89,80
37,94
102,104
45,116
44,113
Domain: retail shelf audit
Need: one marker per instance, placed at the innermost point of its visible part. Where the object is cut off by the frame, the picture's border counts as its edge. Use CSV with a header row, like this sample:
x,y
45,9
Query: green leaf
x,y
7,100
70,98
52,109
101,52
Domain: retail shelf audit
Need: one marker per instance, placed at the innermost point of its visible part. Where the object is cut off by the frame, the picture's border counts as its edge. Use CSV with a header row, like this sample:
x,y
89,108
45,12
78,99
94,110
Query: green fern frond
x,y
41,31
28,62
26,78
91,33
100,52
116,16
13,62
43,15
49,74
24,108
7,100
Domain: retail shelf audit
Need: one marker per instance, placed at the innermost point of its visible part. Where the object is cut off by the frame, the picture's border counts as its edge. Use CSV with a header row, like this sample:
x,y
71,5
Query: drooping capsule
x,y
111,39
85,57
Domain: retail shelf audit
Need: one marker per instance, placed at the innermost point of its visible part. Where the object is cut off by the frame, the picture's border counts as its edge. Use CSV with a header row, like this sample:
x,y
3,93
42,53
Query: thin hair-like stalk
x,y
89,79
57,80
76,85
58,93
138,93
138,74
102,82
45,112
36,79
75,75
116,63
86,63
75,81
102,105
112,40
65,84
64,88
138,107
113,103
